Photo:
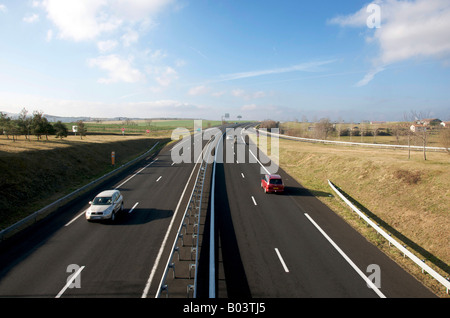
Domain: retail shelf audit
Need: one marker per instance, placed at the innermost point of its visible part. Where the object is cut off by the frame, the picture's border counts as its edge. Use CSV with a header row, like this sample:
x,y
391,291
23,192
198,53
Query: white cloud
x,y
409,30
249,107
130,37
119,70
81,20
199,90
305,67
106,46
247,95
49,35
138,9
31,18
165,76
3,8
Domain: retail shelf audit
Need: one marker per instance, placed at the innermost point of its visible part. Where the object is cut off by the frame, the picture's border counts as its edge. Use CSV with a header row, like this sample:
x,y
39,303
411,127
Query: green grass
x,y
141,126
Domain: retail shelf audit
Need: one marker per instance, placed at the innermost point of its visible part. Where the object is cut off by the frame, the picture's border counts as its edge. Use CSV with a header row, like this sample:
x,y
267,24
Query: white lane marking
x,y
243,177
163,245
254,202
159,178
366,279
136,174
134,206
259,161
281,260
172,163
73,220
69,281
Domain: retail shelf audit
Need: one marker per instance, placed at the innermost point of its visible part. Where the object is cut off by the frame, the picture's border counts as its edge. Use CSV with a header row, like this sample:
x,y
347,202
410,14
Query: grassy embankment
x,y
409,198
35,173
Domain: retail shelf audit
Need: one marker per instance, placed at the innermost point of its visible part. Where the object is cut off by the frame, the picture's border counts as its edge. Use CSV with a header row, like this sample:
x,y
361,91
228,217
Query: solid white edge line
x,y
366,279
70,282
259,161
73,220
163,245
282,260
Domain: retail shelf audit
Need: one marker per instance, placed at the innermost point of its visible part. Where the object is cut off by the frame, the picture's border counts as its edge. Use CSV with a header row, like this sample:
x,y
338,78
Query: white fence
x,y
347,143
414,258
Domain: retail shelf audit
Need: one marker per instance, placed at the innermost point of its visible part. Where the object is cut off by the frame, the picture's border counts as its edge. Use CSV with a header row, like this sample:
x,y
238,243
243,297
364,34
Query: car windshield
x,y
276,181
102,201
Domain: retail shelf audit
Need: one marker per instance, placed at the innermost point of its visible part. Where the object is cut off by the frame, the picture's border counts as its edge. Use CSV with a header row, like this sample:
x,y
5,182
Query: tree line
x,y
35,125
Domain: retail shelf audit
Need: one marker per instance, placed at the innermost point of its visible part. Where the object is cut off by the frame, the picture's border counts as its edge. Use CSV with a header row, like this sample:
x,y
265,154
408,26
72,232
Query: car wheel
x,y
113,216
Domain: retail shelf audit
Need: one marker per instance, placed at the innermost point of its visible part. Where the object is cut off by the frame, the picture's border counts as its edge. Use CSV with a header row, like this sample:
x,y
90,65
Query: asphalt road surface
x,y
292,245
268,245
119,259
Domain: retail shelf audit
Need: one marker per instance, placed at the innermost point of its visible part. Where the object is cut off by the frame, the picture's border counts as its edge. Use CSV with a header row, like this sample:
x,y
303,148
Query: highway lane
x,y
115,260
292,245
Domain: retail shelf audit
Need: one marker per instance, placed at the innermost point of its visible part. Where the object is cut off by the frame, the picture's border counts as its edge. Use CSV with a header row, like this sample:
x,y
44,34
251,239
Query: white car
x,y
105,206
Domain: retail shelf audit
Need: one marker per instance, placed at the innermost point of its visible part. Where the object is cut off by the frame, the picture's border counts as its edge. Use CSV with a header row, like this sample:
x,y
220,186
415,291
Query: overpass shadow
x,y
235,277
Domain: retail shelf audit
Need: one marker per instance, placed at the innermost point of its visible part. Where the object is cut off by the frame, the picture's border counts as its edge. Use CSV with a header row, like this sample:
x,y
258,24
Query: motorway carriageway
x,y
268,245
120,259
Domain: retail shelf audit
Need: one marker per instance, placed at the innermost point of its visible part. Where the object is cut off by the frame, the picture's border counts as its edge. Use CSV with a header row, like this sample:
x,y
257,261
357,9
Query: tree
x,y
24,123
81,128
422,133
38,124
60,130
445,138
323,128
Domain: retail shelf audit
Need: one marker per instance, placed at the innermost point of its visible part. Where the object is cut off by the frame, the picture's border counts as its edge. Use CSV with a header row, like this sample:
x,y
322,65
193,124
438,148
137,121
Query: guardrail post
x,y
172,266
190,288
191,266
166,289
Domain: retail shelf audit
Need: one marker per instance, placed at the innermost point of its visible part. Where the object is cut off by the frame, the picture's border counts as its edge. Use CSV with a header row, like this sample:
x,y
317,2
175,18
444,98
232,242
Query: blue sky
x,y
260,59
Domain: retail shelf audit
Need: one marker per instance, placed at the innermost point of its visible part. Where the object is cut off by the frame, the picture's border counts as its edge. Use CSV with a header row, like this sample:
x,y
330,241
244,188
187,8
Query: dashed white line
x,y
136,174
159,179
281,260
243,177
134,206
254,201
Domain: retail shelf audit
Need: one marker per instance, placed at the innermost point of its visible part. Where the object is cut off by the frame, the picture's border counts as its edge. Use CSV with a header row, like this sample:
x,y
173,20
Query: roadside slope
x,y
33,174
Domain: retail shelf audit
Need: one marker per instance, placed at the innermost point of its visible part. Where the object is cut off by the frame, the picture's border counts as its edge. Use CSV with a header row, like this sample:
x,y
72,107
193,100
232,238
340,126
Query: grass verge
x,y
409,198
35,173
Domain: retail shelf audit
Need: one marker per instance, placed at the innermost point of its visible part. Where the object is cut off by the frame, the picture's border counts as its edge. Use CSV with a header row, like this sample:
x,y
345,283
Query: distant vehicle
x,y
105,206
272,183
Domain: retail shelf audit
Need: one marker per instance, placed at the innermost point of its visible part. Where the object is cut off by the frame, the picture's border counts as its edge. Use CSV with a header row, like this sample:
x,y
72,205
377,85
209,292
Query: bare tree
x,y
445,138
422,131
323,128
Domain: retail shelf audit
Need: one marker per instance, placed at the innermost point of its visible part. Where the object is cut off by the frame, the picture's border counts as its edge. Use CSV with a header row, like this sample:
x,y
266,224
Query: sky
x,y
259,59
